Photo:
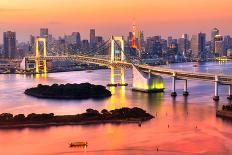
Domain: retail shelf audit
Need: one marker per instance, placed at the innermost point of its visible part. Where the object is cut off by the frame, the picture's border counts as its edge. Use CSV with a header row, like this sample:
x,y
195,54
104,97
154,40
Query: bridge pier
x,y
112,83
145,82
185,93
174,94
230,93
122,77
216,83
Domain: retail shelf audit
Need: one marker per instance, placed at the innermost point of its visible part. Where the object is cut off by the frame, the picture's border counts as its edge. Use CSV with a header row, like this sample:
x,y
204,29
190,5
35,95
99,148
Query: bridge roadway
x,y
179,74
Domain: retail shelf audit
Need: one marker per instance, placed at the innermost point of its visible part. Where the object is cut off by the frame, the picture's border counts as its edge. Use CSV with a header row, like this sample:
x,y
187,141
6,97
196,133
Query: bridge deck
x,y
225,79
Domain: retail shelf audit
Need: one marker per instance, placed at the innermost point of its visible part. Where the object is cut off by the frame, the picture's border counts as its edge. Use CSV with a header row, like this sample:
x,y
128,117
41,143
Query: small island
x,y
91,116
69,91
225,112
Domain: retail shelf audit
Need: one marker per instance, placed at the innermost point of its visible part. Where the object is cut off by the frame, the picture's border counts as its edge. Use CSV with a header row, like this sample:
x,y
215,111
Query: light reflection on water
x,y
182,126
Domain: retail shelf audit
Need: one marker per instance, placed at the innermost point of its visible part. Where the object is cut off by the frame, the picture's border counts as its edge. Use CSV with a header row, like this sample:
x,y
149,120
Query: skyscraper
x,y
169,41
141,41
9,41
92,38
32,43
227,43
44,32
219,45
214,32
183,44
194,45
201,42
198,44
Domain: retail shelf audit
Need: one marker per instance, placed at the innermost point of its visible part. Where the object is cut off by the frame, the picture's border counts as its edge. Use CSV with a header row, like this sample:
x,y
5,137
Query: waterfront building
x,y
9,44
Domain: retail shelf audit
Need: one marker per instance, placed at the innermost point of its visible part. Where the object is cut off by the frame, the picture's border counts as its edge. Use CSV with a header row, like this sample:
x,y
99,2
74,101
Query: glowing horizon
x,y
154,17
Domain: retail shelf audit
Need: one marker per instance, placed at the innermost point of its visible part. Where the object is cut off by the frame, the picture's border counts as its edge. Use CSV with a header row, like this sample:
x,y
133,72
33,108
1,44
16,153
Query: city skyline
x,y
153,17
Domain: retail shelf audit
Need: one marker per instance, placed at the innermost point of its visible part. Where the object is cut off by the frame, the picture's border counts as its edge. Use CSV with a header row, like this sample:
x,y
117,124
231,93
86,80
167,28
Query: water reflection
x,y
117,101
173,128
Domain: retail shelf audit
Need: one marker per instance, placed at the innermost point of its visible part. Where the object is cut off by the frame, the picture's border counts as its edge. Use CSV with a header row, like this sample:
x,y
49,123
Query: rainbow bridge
x,y
145,78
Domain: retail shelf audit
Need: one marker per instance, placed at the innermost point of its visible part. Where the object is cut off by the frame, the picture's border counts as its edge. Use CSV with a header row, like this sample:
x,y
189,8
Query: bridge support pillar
x,y
216,83
112,78
112,83
147,83
174,94
185,93
230,93
122,78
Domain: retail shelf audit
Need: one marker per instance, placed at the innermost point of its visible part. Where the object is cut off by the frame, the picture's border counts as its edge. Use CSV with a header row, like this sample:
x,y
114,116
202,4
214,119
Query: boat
x,y
78,144
89,71
195,65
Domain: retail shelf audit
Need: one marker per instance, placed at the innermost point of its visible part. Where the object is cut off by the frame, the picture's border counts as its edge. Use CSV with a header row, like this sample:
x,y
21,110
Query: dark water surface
x,y
193,126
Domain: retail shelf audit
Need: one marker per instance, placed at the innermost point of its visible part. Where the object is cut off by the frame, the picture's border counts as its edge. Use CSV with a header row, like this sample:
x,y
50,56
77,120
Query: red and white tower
x,y
133,42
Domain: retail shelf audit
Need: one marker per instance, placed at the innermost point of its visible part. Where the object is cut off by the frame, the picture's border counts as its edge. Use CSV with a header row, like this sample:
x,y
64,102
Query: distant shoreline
x,y
90,117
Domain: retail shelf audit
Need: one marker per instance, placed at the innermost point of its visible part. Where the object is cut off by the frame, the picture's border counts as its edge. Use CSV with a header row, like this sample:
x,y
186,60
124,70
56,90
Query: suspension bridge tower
x,y
117,54
40,65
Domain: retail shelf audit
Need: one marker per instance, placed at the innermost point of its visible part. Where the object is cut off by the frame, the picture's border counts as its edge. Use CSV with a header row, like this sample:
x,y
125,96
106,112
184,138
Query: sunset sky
x,y
155,17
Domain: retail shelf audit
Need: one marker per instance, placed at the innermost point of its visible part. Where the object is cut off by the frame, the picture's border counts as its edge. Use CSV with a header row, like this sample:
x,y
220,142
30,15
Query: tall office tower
x,y
32,43
227,43
92,38
44,32
219,45
169,41
141,41
198,44
214,32
183,44
194,45
9,41
201,42
129,39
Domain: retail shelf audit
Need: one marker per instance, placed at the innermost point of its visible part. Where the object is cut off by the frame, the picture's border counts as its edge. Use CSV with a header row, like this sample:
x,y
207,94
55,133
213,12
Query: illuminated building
x,y
183,44
218,45
214,32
